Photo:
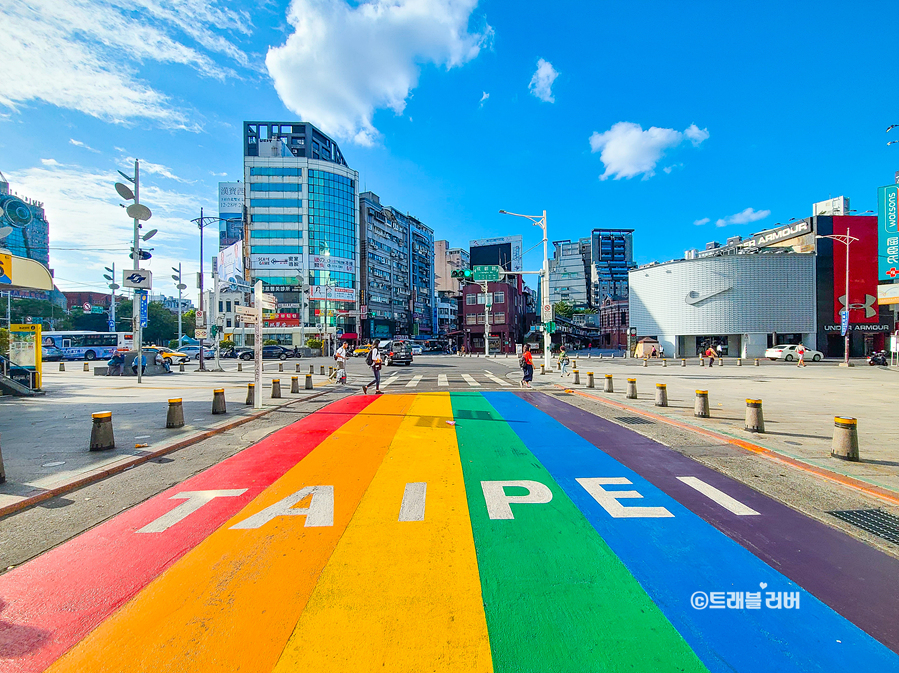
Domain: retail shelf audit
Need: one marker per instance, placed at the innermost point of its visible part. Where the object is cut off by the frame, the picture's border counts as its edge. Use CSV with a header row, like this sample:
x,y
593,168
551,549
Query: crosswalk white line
x,y
392,379
720,497
471,382
414,382
496,379
441,380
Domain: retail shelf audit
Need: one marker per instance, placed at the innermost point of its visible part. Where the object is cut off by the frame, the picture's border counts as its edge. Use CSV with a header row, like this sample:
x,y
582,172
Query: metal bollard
x,y
280,366
575,365
62,366
631,389
308,381
542,370
756,362
739,362
294,384
701,405
240,366
322,370
645,362
298,367
218,401
330,372
311,369
589,379
720,362
661,395
276,388
175,416
251,393
702,362
577,376
683,363
664,362
180,366
755,420
101,431
87,367
607,386
845,438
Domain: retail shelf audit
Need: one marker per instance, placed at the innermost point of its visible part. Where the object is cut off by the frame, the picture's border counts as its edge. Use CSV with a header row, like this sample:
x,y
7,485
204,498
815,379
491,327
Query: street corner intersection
x,y
469,531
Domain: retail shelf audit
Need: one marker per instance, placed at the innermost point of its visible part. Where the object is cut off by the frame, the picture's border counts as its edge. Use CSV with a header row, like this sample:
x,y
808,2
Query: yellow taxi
x,y
168,354
362,351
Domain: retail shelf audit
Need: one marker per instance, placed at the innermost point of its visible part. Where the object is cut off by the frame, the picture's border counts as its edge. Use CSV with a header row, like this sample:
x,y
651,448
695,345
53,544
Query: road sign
x,y
86,307
200,334
200,317
547,313
487,272
97,309
550,327
111,325
247,319
144,306
844,322
269,301
245,310
139,279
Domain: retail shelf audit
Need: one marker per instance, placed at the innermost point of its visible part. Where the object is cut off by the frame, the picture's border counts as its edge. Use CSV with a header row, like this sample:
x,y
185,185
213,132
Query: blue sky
x,y
647,115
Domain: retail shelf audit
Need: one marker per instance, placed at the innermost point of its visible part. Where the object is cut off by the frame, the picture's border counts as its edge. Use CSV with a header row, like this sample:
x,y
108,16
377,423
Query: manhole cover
x,y
633,420
876,521
55,463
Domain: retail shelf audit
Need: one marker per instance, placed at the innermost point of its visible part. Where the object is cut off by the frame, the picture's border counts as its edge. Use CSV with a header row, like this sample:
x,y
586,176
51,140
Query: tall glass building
x,y
30,236
301,203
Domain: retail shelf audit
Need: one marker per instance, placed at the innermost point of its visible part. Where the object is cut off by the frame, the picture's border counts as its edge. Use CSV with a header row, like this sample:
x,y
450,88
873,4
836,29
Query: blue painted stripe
x,y
676,556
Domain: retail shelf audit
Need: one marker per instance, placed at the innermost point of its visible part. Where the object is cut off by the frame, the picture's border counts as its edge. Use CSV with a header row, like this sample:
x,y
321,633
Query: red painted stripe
x,y
52,602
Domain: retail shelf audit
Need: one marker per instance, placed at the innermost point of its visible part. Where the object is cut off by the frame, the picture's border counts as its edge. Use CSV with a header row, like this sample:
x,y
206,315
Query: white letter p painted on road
x,y
498,503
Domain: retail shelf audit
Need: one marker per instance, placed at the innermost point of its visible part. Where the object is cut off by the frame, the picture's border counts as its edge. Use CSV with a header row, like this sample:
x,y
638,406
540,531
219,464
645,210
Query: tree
x,y
563,309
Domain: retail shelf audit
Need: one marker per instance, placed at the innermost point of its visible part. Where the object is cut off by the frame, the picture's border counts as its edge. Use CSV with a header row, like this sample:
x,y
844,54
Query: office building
x,y
509,321
447,260
30,236
569,275
301,203
611,257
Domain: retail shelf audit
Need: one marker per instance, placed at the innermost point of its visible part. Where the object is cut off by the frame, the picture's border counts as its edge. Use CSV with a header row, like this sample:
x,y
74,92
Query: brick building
x,y
508,312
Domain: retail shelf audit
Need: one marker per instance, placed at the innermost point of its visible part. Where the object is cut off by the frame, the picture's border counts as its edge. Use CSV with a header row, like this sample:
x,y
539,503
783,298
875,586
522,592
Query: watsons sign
x,y
777,235
888,231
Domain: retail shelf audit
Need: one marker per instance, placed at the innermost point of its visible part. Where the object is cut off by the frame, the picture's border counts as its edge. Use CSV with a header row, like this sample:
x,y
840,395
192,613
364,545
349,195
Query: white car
x,y
790,353
417,350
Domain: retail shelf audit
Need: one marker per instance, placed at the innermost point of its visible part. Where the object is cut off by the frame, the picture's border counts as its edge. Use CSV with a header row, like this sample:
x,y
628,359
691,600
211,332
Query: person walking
x,y
373,360
710,354
720,349
661,351
800,349
654,353
563,360
526,361
339,374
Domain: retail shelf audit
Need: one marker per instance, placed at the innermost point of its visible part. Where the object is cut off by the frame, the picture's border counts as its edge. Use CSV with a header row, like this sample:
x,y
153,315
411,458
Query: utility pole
x,y
181,286
138,294
113,286
200,311
488,303
215,312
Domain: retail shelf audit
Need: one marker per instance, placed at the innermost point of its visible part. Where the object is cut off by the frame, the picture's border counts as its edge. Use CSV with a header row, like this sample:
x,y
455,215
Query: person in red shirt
x,y
527,367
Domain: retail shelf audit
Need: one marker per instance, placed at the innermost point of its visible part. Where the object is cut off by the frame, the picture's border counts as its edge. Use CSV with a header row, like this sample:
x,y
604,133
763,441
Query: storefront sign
x,y
772,236
859,328
888,231
331,293
862,302
5,269
329,263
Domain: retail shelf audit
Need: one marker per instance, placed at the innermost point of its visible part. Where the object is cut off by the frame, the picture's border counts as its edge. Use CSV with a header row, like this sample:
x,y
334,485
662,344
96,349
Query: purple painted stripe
x,y
856,580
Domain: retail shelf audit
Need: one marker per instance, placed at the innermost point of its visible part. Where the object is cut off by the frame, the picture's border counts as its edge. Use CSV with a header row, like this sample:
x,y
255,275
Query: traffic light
x,y
464,274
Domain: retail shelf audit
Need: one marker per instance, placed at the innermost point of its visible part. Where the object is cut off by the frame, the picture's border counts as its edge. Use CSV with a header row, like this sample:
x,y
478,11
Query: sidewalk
x,y
799,406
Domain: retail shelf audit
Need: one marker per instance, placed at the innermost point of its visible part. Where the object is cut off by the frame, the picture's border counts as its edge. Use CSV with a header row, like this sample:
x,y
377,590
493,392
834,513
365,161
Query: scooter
x,y
878,359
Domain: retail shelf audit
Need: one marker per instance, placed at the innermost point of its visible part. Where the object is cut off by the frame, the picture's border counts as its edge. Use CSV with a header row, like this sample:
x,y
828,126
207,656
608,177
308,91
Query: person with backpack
x,y
564,361
526,362
373,360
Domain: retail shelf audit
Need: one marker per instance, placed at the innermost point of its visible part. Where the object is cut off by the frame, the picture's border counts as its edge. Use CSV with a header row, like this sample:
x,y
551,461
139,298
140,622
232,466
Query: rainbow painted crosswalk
x,y
466,531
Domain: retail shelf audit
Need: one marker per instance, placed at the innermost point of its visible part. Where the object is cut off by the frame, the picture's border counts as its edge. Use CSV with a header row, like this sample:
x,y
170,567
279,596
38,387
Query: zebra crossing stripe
x,y
496,379
414,382
471,382
441,380
392,379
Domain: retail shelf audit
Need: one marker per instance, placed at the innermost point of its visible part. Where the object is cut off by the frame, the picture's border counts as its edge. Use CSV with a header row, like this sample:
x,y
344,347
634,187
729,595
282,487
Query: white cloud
x,y
627,150
542,82
85,54
743,217
343,61
50,162
153,169
218,175
484,98
669,169
78,143
704,220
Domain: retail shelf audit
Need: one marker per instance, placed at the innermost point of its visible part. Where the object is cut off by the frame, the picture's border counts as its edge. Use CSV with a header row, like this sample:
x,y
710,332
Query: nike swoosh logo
x,y
694,297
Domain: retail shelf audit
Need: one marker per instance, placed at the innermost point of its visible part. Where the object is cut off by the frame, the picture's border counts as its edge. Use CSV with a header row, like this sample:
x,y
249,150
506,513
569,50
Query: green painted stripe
x,y
556,597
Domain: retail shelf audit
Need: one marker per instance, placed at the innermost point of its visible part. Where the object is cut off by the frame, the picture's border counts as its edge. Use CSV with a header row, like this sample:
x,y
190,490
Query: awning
x,y
350,335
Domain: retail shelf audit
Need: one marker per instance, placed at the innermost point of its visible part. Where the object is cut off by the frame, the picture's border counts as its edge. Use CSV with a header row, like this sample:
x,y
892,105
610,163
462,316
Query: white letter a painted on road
x,y
319,512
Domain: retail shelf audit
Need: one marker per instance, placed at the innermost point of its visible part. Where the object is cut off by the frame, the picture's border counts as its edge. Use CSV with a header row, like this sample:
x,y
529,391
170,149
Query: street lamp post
x,y
846,240
544,279
181,287
113,286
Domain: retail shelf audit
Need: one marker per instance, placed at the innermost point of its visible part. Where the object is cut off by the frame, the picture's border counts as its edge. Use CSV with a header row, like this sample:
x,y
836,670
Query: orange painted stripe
x,y
233,601
843,480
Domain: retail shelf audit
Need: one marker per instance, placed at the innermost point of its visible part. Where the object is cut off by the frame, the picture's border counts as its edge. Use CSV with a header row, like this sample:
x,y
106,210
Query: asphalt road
x,y
482,530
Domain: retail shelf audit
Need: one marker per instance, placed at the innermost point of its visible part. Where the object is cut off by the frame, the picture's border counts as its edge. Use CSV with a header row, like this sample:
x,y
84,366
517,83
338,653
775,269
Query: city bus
x,y
87,345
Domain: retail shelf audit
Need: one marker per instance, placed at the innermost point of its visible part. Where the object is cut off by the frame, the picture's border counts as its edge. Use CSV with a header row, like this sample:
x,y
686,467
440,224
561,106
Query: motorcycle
x,y
878,359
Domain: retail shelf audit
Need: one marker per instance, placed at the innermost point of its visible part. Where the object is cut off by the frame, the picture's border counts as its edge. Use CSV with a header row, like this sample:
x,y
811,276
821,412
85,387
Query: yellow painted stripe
x,y
401,595
233,601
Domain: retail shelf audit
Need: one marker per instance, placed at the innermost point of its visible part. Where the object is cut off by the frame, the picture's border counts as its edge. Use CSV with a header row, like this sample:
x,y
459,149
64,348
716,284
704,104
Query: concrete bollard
x,y
2,469
240,366
645,362
542,370
661,395
702,362
720,362
218,401
589,379
664,363
575,365
845,438
683,363
251,393
298,367
322,370
311,369
294,384
330,372
701,405
180,366
577,376
87,367
755,420
101,431
631,389
280,366
175,417
276,388
756,362
607,386
308,381
739,362
62,366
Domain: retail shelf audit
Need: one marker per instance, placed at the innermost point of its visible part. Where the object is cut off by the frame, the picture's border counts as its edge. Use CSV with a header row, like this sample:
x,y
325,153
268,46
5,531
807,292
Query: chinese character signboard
x,y
25,351
320,292
888,233
328,263
278,262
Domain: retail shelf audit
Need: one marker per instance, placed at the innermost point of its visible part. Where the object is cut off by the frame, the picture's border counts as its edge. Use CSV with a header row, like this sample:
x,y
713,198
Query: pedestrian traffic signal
x,y
464,274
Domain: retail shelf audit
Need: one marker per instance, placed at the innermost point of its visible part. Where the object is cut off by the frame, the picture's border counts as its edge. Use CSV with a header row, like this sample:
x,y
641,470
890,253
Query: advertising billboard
x,y
230,262
505,251
862,302
329,263
887,230
332,293
276,262
231,200
231,197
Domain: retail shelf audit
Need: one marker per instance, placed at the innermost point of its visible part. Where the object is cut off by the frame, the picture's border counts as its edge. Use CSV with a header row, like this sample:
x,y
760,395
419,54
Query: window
x,y
267,217
276,233
471,300
498,318
228,306
471,319
228,322
481,319
220,306
276,203
276,249
276,187
499,297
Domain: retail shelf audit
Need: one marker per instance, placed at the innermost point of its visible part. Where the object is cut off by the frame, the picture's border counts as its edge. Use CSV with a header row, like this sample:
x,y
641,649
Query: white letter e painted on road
x,y
498,503
609,499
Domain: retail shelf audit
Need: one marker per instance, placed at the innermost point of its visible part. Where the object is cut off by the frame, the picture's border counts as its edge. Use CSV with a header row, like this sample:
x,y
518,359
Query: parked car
x,y
790,353
268,352
362,351
193,352
52,353
168,354
396,352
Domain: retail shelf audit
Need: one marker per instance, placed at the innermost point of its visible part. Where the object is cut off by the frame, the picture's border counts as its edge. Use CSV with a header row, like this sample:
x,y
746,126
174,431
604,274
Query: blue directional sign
x,y
844,322
111,325
144,306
